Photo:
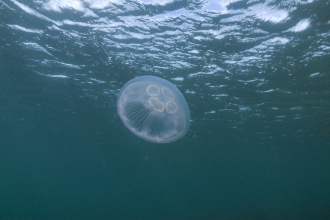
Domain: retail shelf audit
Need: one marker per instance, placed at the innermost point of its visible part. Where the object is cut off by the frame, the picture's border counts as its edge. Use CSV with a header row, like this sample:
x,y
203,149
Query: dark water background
x,y
255,74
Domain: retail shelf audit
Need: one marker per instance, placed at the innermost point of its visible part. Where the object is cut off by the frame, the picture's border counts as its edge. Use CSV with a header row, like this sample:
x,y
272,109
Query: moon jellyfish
x,y
154,109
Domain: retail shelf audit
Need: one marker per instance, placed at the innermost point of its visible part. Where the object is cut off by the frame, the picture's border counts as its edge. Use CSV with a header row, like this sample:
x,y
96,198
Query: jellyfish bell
x,y
154,109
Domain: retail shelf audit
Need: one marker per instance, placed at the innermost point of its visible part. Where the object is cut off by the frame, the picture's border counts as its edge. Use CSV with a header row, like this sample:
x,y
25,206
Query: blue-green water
x,y
256,77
